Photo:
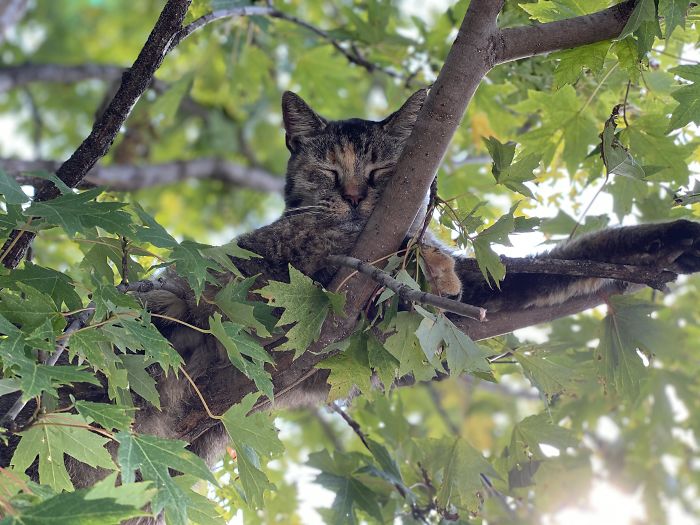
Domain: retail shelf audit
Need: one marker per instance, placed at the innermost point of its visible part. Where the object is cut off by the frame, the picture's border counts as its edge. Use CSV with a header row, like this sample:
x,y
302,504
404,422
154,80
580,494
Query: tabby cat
x,y
335,176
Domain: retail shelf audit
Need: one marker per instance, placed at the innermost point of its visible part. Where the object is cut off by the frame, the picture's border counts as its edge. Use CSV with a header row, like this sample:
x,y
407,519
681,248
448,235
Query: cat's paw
x,y
440,269
681,244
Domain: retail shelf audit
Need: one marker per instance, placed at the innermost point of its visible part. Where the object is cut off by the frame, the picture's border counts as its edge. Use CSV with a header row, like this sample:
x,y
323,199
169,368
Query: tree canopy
x,y
579,115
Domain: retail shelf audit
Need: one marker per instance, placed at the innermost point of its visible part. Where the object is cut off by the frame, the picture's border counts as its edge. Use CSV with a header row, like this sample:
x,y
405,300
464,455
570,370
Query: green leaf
x,y
463,355
11,190
200,509
628,327
529,434
106,415
78,508
381,361
151,231
511,175
551,10
615,156
405,347
673,13
252,436
304,303
232,300
549,372
192,265
461,467
141,335
165,107
349,369
572,62
237,344
54,435
77,212
153,457
140,381
9,385
644,11
688,97
56,284
337,475
30,309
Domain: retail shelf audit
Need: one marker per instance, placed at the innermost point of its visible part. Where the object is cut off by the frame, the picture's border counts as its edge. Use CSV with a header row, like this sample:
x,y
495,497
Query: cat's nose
x,y
354,197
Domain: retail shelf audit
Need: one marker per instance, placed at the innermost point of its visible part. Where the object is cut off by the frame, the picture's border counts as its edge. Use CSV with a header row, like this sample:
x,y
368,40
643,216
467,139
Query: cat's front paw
x,y
440,269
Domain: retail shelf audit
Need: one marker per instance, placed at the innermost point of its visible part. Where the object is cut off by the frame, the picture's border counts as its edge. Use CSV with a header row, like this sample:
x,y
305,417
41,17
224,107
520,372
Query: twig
x,y
353,55
406,292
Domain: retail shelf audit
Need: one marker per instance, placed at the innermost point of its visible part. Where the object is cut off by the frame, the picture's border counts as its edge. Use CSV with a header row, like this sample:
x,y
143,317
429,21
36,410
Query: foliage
x,y
537,144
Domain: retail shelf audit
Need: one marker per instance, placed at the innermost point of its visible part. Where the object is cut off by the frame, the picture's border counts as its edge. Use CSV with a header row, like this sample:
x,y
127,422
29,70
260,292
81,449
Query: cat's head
x,y
340,168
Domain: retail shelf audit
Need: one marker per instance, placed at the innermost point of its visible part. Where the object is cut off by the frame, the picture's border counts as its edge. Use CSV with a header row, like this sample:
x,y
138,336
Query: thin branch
x,y
406,292
134,83
526,41
134,177
352,55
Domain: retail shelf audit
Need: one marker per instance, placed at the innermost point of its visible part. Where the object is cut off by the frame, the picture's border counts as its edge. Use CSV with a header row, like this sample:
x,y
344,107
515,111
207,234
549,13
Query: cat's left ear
x,y
401,122
299,119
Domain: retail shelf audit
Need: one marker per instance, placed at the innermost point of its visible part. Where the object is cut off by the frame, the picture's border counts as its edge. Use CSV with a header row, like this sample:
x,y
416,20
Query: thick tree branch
x,y
133,177
95,146
505,321
526,41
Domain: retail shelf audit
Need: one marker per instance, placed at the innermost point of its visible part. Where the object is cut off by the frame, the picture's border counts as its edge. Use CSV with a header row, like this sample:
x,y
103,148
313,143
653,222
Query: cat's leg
x,y
673,246
440,270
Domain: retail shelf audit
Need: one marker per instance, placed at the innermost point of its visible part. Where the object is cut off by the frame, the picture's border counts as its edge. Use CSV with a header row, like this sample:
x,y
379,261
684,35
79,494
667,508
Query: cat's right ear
x,y
299,119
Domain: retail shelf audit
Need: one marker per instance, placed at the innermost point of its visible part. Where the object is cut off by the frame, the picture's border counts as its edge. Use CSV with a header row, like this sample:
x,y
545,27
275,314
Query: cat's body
x,y
335,177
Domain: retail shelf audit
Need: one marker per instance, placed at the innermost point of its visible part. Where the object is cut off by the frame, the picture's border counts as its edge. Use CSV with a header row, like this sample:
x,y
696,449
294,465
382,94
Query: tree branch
x,y
133,177
526,41
406,292
19,75
95,146
506,321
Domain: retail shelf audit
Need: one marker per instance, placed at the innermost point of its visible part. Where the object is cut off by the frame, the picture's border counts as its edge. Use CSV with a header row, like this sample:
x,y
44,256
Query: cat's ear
x,y
299,119
401,122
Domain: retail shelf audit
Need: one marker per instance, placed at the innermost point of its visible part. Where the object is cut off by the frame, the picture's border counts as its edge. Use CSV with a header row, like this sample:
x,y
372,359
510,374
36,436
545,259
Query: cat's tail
x,y
673,246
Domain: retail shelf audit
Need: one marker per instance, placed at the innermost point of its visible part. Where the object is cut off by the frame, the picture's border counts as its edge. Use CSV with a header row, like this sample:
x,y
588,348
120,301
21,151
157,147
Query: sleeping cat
x,y
336,174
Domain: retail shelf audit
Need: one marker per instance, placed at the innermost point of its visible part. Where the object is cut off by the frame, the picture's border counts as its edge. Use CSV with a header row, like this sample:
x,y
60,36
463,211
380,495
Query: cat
x,y
336,174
